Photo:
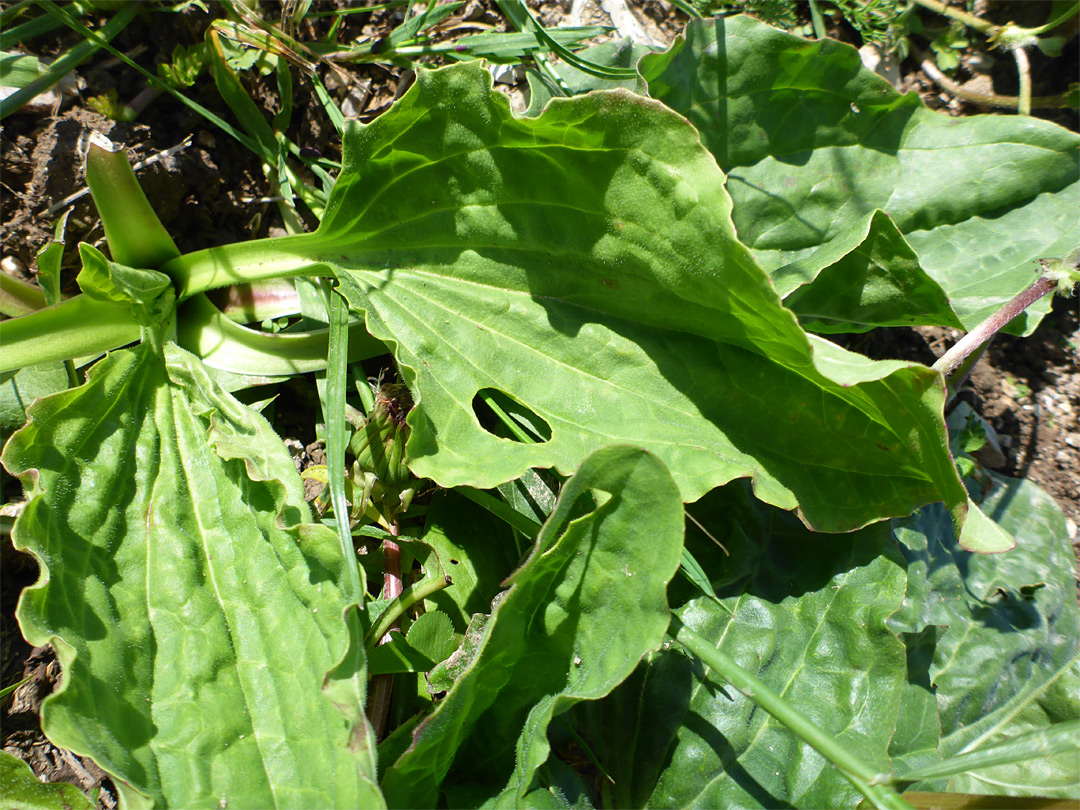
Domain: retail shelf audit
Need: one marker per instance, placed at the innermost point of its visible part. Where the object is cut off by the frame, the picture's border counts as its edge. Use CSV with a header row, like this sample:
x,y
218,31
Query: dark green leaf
x,y
809,620
397,655
1009,662
580,614
813,142
476,550
433,635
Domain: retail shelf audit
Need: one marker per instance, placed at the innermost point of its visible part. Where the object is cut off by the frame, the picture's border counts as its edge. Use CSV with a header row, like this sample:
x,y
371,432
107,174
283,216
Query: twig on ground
x,y
986,99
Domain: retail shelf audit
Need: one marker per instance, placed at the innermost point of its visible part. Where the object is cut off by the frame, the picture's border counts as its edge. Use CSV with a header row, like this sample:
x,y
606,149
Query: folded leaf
x,y
590,601
813,141
865,277
147,294
194,628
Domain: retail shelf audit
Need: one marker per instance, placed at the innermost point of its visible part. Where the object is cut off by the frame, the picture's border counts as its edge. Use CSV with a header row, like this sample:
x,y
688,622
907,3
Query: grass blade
x,y
1056,739
334,414
70,60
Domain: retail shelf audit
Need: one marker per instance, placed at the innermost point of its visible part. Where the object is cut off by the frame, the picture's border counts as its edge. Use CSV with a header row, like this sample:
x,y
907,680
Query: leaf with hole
x,y
584,264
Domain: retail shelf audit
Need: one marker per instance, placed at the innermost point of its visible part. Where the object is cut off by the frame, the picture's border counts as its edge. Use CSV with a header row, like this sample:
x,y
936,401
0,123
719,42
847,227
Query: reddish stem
x,y
382,685
969,343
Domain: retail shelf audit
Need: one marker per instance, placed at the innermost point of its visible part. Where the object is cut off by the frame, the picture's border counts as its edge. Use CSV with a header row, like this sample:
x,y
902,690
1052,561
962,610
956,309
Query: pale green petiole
x,y
77,327
205,331
135,235
278,257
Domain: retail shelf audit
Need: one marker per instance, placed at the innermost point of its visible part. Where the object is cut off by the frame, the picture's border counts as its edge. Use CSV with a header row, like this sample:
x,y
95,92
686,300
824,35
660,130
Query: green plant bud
x,y
379,445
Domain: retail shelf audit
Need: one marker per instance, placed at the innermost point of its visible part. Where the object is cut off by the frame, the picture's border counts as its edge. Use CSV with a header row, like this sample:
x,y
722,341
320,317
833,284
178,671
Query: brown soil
x,y
212,192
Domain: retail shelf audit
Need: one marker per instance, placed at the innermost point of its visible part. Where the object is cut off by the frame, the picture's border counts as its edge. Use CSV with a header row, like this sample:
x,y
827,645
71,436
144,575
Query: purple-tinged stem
x,y
382,685
969,343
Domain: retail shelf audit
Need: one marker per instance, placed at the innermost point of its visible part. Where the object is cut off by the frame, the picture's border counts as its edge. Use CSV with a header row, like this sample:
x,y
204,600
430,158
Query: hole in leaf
x,y
503,416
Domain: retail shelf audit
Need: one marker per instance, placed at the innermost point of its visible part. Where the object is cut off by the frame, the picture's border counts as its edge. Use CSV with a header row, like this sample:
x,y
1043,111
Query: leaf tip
x,y
979,533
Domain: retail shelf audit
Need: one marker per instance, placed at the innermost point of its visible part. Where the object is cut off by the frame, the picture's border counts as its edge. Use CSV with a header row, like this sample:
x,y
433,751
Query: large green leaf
x,y
1009,660
813,142
194,625
809,620
584,264
588,604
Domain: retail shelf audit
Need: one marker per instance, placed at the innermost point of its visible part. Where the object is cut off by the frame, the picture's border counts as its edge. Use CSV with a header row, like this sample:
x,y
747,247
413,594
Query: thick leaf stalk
x,y
1061,275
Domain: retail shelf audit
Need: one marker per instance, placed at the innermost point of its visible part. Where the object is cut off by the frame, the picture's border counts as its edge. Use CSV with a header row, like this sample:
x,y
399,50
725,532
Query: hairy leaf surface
x,y
584,264
813,142
195,631
588,604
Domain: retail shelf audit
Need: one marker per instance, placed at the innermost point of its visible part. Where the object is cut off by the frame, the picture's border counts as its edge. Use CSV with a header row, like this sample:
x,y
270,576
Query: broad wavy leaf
x,y
194,625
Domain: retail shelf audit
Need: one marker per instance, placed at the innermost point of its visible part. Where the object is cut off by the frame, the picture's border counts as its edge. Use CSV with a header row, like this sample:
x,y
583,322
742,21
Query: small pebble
x,y
1070,527
1072,439
12,266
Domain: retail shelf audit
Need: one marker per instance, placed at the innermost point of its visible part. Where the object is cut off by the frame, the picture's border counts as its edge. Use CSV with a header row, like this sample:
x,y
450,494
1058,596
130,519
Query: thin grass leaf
x,y
251,118
333,111
333,414
692,570
1059,738
509,47
43,24
410,29
522,18
71,59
